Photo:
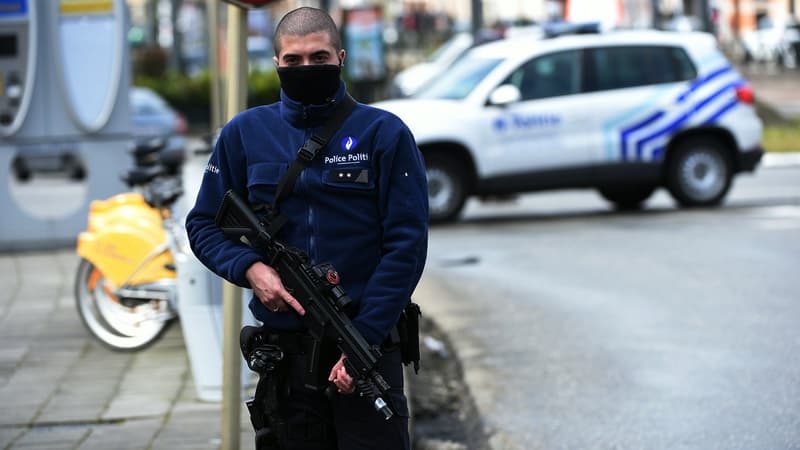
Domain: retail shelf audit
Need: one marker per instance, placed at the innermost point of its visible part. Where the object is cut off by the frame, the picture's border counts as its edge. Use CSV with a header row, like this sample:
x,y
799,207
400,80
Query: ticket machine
x,y
17,65
65,131
65,124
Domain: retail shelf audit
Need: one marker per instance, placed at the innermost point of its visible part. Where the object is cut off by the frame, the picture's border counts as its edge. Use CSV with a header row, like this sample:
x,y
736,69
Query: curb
x,y
429,294
788,159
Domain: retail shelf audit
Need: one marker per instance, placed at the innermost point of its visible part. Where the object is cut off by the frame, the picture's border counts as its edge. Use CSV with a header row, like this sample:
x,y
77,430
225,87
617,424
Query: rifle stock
x,y
316,288
236,219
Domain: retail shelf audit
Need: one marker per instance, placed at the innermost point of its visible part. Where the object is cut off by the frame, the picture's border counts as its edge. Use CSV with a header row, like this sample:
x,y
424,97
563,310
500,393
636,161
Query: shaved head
x,y
304,21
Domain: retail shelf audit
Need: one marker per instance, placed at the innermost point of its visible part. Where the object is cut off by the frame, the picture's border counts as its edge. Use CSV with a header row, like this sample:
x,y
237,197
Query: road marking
x,y
784,217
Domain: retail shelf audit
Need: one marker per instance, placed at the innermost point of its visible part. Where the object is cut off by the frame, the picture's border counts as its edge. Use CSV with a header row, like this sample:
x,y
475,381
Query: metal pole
x,y
236,83
477,17
151,9
212,13
176,52
231,366
232,295
705,16
656,13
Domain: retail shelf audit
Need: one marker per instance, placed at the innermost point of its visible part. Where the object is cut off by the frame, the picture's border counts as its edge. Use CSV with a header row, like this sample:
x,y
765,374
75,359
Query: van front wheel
x,y
446,188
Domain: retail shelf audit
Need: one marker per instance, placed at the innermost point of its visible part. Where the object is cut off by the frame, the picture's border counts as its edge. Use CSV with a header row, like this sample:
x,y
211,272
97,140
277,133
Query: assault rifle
x,y
316,287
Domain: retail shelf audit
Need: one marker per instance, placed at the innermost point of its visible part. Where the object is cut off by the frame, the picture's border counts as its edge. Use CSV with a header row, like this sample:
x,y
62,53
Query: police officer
x,y
361,205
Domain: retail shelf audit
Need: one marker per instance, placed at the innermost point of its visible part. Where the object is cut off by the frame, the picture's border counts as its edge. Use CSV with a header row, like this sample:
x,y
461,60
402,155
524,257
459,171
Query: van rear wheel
x,y
699,172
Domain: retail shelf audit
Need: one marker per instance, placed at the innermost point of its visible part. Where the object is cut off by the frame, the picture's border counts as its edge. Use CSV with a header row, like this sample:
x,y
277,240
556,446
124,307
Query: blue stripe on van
x,y
693,87
627,131
677,123
658,152
725,108
611,126
702,81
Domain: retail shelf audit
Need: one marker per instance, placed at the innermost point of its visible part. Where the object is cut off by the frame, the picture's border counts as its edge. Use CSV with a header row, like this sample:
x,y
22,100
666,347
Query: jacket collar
x,y
309,116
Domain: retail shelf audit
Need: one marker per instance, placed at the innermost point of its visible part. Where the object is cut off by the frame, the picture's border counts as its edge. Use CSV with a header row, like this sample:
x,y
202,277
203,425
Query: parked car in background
x,y
773,42
411,79
153,117
681,23
622,112
789,45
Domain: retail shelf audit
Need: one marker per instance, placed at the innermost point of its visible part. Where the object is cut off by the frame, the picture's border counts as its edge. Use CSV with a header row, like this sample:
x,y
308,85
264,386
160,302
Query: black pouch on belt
x,y
408,329
320,356
264,355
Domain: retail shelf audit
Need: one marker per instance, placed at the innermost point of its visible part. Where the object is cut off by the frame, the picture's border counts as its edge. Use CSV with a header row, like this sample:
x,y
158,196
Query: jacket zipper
x,y
311,241
310,209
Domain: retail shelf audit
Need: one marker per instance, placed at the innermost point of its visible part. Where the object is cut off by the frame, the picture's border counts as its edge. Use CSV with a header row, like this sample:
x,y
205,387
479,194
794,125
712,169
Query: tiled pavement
x,y
59,389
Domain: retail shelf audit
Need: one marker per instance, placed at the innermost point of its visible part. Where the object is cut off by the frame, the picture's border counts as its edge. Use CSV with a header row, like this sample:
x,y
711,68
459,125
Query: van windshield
x,y
460,79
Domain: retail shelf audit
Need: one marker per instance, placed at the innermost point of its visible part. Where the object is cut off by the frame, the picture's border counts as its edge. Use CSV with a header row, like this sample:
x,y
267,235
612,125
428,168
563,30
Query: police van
x,y
623,112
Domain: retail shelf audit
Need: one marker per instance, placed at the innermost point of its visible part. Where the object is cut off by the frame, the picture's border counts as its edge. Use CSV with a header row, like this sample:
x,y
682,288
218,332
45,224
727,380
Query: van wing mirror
x,y
505,95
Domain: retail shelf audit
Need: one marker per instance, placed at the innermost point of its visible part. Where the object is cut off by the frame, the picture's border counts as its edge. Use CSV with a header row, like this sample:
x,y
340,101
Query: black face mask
x,y
313,84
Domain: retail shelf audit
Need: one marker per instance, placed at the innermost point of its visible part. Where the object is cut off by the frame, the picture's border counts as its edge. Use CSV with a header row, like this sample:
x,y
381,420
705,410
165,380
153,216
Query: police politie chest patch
x,y
346,163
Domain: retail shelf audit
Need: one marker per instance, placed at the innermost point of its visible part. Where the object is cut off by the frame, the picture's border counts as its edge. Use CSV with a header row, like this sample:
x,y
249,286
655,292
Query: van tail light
x,y
745,94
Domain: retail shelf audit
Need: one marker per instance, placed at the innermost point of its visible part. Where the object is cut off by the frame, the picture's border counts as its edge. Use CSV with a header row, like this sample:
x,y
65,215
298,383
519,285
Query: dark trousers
x,y
345,422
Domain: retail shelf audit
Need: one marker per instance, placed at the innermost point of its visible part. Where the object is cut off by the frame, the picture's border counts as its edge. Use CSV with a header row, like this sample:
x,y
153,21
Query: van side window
x,y
684,69
550,75
631,66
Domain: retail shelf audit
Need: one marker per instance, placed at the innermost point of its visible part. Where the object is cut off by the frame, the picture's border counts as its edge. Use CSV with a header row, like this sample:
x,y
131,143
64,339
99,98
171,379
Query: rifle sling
x,y
309,150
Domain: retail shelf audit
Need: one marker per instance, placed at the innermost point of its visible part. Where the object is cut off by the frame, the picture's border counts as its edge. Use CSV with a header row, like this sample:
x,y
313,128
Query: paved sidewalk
x,y
59,389
778,88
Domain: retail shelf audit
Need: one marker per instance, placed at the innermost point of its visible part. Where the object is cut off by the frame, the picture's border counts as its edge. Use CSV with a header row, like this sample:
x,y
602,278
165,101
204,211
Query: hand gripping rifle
x,y
316,287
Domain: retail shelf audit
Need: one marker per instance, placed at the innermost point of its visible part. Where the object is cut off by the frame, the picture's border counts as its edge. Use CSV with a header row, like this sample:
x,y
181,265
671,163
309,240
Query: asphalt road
x,y
582,328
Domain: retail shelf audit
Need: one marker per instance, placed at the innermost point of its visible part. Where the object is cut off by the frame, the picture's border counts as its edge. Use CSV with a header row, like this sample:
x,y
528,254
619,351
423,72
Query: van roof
x,y
517,46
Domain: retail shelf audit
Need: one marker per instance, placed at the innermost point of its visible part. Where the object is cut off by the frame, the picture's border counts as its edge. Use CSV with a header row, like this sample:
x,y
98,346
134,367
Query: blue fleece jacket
x,y
362,205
